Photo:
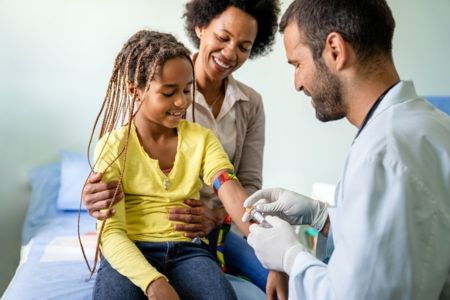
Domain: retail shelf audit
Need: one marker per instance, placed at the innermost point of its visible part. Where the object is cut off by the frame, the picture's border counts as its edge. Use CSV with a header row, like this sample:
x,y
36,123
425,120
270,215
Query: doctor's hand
x,y
291,207
276,247
98,195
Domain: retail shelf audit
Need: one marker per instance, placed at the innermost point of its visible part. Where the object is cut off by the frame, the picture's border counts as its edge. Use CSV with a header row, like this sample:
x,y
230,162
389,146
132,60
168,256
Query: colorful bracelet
x,y
224,177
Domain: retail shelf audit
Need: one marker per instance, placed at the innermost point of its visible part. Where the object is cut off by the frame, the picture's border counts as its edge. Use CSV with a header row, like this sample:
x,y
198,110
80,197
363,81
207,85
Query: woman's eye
x,y
221,38
244,49
168,94
187,91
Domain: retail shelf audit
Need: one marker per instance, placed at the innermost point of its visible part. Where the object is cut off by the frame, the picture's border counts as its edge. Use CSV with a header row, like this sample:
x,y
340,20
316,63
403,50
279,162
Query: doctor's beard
x,y
327,94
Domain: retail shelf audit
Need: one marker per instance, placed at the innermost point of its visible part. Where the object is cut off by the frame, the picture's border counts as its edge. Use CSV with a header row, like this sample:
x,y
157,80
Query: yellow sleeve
x,y
215,158
106,157
118,249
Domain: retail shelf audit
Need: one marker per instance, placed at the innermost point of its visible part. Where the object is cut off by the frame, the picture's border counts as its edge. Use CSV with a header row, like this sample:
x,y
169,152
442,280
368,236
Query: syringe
x,y
258,217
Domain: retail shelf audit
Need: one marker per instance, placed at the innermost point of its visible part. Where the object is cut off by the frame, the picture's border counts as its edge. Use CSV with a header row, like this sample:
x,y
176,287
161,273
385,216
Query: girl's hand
x,y
160,289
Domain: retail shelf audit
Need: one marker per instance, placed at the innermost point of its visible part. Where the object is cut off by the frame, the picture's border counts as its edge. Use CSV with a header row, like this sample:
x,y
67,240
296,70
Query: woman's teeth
x,y
221,63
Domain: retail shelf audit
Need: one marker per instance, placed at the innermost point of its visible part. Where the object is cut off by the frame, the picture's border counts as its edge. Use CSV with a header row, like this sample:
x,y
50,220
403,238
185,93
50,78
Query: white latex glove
x,y
276,247
291,207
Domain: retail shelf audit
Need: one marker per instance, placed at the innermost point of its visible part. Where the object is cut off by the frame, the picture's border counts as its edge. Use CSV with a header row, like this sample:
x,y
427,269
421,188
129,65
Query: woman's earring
x,y
199,32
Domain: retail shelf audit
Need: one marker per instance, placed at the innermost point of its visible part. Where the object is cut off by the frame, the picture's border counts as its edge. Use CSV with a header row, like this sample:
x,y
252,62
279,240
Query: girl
x,y
230,32
158,158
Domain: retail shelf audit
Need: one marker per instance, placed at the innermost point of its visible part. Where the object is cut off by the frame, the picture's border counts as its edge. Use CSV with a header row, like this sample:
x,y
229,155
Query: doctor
x,y
391,223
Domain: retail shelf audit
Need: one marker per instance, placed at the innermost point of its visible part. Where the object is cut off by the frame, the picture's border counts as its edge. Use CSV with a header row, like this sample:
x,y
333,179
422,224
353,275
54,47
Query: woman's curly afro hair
x,y
201,12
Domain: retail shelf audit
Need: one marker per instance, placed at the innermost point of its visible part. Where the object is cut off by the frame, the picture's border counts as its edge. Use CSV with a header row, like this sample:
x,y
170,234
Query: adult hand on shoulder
x,y
98,195
276,247
277,286
199,219
160,289
291,207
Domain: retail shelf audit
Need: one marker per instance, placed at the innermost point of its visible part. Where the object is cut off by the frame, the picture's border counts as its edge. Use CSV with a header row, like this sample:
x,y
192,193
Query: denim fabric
x,y
244,289
190,268
240,259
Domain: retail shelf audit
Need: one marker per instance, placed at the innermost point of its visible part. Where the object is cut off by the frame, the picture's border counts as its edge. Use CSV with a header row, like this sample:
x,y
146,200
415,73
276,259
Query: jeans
x,y
240,259
190,268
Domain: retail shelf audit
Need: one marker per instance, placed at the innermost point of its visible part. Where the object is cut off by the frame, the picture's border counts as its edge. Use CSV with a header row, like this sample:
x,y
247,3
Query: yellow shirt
x,y
149,193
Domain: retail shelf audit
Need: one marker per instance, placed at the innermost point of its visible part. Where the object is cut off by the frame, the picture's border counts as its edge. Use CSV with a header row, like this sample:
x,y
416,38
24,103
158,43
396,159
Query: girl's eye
x,y
187,91
168,94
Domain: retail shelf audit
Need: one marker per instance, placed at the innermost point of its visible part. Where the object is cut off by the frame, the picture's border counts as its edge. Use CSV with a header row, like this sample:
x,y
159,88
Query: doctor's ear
x,y
336,52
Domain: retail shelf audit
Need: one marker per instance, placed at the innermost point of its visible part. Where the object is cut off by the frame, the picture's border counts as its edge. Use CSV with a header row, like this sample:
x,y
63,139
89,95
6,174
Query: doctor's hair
x,y
367,25
137,64
199,13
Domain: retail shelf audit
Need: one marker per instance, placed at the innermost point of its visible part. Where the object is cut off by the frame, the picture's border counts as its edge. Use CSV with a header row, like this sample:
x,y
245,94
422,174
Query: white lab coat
x,y
391,223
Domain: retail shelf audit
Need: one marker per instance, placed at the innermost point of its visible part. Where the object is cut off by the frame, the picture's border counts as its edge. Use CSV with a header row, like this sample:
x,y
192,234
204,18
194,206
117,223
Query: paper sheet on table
x,y
67,248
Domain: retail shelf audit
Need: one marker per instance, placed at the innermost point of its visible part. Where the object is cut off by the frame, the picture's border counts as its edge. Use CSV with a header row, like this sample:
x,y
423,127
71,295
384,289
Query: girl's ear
x,y
132,89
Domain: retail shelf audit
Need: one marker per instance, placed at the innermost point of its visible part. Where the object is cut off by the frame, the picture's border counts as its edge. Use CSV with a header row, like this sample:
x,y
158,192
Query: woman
x,y
226,34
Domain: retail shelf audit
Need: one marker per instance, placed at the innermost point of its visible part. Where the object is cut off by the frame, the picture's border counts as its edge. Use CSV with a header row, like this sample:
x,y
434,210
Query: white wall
x,y
56,58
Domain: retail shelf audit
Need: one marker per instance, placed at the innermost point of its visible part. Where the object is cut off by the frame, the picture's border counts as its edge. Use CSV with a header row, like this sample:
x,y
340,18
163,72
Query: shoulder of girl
x,y
196,130
117,136
190,126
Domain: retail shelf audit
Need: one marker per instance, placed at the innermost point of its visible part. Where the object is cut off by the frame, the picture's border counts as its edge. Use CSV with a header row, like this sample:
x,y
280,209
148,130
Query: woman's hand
x,y
98,195
277,286
199,219
160,289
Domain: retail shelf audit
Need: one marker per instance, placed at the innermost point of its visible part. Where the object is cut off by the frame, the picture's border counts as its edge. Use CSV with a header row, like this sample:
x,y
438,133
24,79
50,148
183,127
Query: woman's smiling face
x,y
226,43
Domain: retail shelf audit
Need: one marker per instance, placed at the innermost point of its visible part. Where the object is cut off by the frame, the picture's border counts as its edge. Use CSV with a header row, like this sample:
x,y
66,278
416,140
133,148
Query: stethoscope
x,y
372,109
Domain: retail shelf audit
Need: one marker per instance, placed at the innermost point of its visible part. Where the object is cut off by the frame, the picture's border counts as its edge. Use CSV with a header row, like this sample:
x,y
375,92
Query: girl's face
x,y
169,95
225,44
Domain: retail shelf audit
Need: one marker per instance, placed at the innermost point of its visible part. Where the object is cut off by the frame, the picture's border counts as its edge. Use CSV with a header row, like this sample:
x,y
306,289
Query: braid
x,y
138,62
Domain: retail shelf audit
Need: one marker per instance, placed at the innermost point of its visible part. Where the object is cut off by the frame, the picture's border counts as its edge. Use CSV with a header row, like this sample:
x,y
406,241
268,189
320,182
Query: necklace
x,y
211,106
218,97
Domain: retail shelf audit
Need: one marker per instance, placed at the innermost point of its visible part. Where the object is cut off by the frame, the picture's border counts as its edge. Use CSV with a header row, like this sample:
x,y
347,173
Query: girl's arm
x,y
218,172
122,253
116,246
232,195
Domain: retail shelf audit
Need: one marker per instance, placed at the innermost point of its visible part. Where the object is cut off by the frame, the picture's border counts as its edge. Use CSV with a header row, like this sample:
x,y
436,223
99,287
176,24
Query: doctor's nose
x,y
298,84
